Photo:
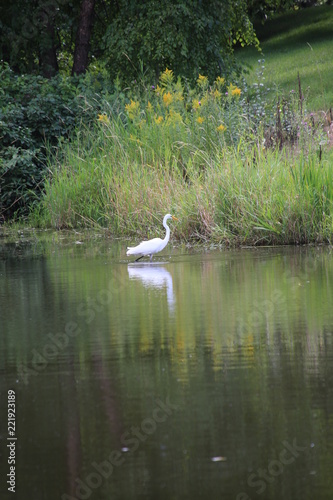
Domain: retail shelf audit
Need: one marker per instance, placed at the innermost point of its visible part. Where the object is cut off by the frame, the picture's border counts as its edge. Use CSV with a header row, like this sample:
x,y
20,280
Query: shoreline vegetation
x,y
236,162
233,170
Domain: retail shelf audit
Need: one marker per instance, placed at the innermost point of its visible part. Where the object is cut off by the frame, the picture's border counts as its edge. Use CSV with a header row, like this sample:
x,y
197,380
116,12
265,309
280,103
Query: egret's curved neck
x,y
167,236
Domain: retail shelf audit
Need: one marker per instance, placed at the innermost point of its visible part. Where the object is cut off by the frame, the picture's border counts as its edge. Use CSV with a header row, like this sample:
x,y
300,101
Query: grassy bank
x,y
203,156
297,42
276,199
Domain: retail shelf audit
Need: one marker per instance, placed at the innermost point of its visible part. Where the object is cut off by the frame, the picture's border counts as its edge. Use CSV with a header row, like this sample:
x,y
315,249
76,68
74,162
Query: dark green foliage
x,y
191,37
35,112
31,29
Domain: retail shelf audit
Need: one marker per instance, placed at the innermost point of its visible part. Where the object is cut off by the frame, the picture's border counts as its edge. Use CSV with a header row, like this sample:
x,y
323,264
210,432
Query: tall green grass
x,y
233,195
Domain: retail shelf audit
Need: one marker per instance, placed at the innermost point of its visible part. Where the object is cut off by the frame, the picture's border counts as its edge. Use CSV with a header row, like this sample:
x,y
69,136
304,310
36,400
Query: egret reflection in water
x,y
152,276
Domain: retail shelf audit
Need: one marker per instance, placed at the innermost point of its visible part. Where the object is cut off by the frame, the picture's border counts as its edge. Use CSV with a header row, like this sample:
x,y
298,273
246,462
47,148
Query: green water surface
x,y
204,375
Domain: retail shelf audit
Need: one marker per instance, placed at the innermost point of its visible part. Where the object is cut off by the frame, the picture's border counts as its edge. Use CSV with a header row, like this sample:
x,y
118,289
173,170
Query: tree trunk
x,y
83,37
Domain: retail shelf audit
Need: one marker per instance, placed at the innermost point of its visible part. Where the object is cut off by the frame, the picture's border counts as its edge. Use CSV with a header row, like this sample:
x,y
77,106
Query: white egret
x,y
152,246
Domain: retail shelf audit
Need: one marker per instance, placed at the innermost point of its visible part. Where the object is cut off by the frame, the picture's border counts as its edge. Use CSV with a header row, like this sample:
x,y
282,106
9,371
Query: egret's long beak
x,y
174,218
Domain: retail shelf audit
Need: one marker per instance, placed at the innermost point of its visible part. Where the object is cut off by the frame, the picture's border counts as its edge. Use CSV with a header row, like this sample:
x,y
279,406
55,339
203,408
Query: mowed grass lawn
x,y
298,42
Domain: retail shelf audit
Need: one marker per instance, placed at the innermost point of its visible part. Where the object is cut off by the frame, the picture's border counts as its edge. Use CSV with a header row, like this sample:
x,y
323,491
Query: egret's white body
x,y
152,246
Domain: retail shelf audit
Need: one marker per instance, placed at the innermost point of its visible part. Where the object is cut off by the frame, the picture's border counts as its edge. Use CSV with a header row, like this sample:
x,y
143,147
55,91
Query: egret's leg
x,y
136,260
151,257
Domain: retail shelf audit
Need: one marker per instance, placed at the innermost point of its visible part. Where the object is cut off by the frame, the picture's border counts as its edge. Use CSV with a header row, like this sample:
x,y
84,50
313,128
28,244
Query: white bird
x,y
152,246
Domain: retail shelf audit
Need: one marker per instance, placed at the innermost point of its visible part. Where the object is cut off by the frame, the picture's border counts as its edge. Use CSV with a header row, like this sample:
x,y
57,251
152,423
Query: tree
x,y
189,36
33,33
81,53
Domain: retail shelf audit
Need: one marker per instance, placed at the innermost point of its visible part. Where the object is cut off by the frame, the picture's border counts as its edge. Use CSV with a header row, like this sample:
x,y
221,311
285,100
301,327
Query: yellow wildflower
x,y
221,128
103,118
133,109
202,81
200,119
216,93
236,91
159,90
219,81
166,77
167,99
196,104
149,107
158,120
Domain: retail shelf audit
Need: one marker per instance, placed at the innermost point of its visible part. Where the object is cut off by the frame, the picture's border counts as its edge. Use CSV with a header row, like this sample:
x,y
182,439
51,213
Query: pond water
x,y
206,374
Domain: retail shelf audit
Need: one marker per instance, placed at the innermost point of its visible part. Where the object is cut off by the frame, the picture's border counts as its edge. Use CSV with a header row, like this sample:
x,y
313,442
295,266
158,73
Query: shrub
x,y
36,113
